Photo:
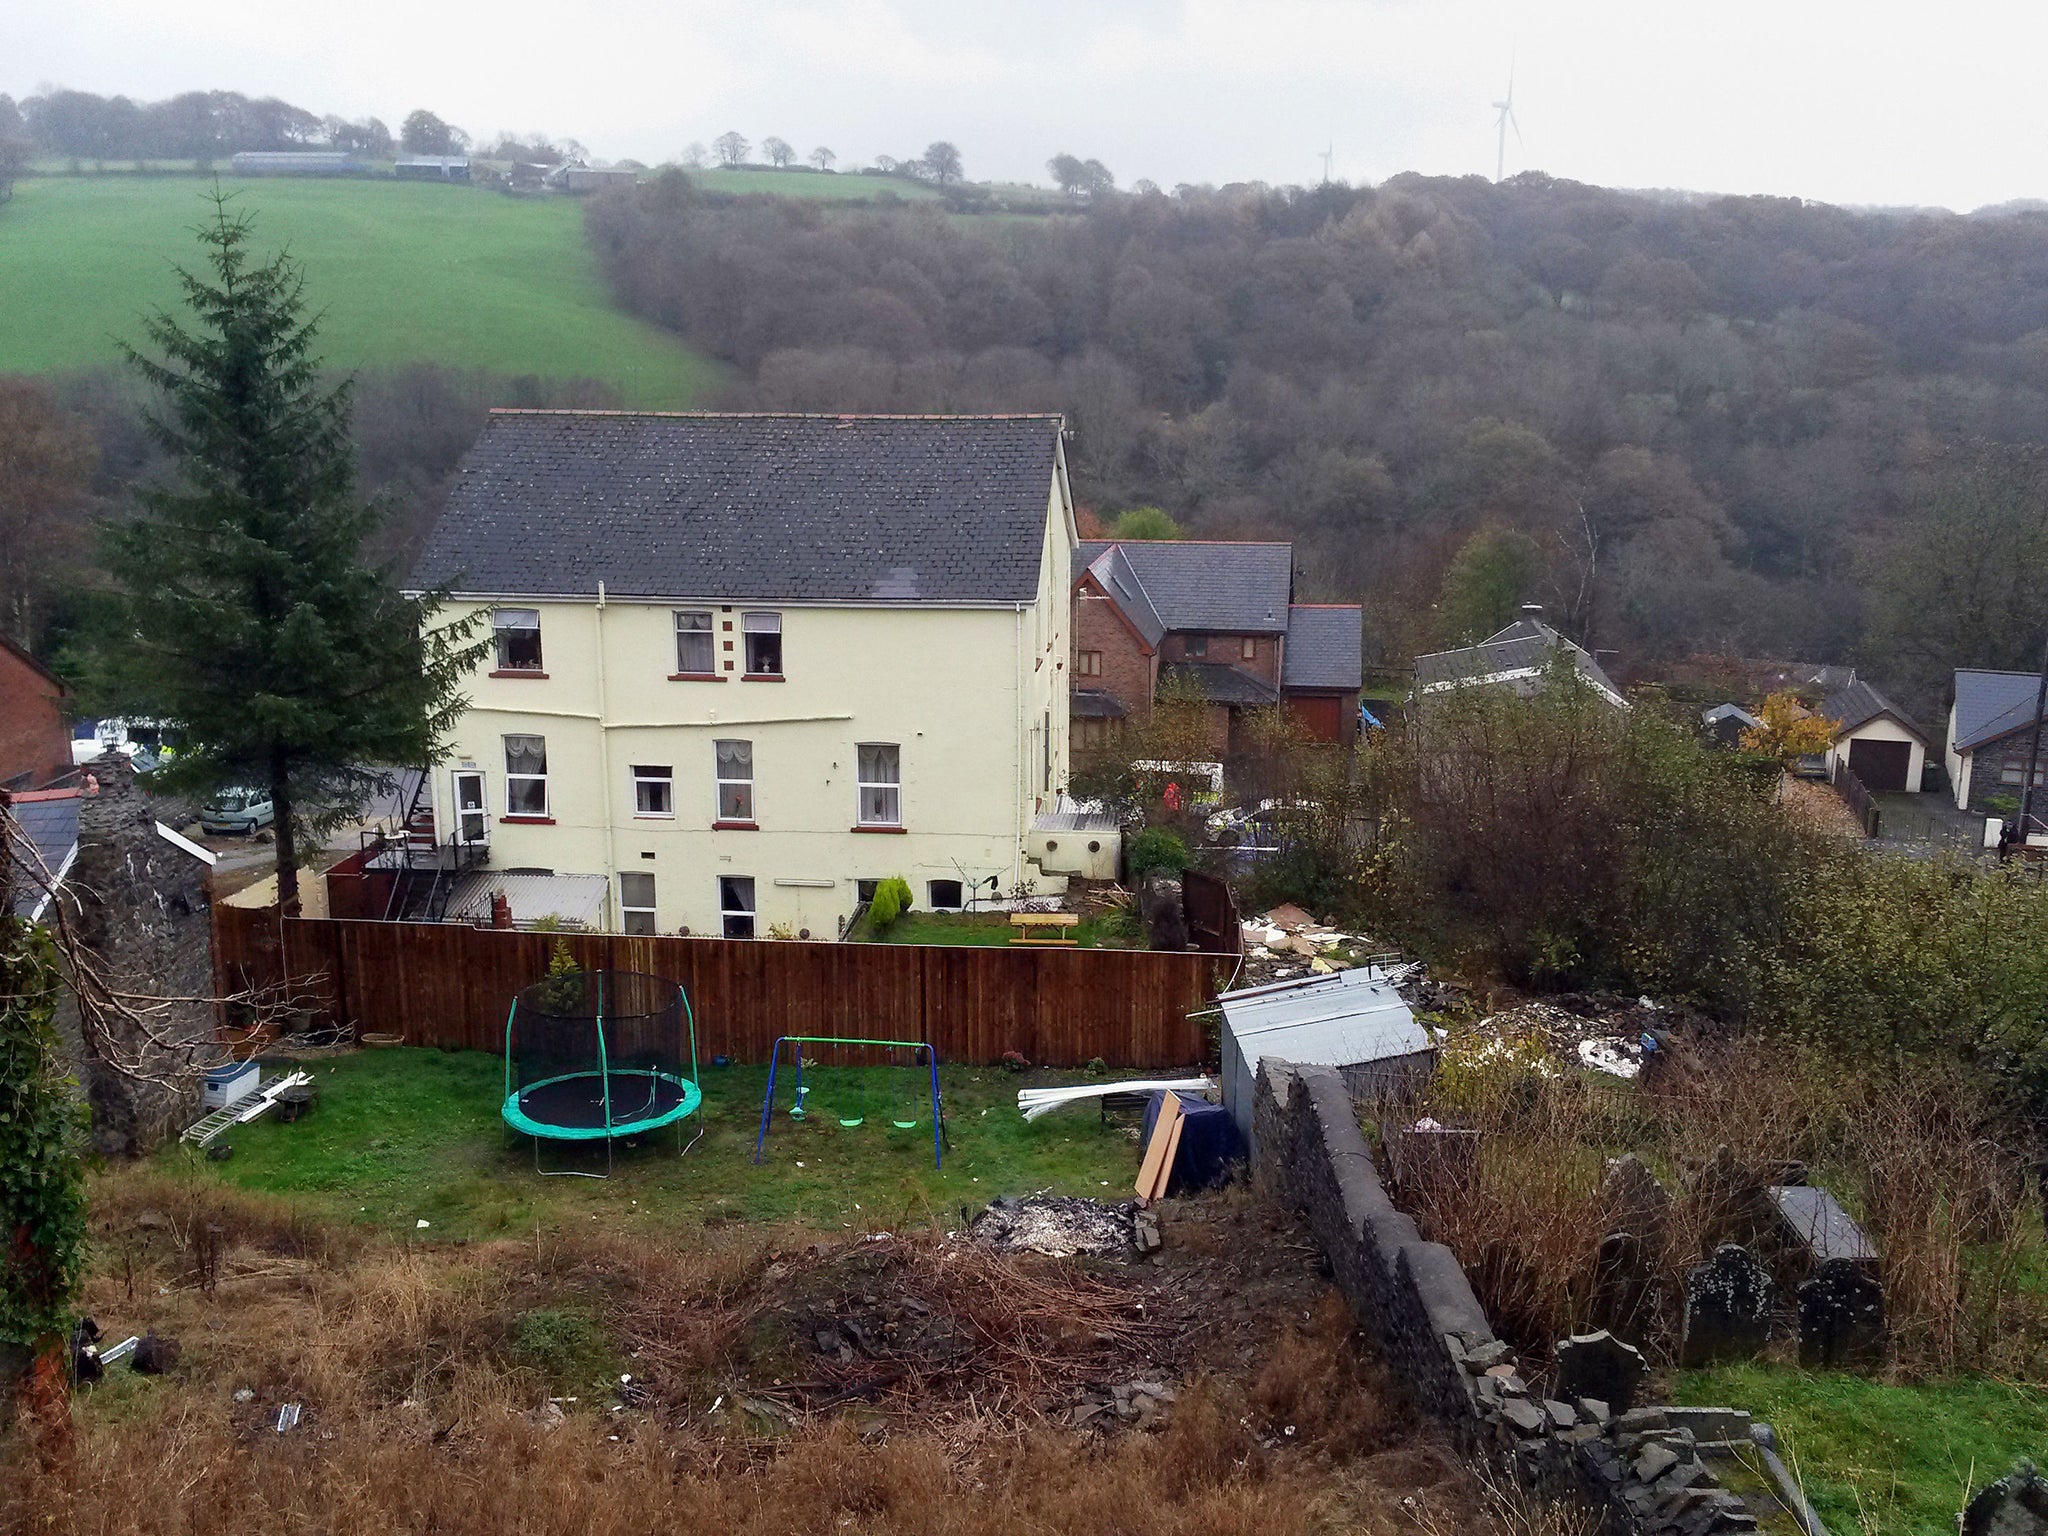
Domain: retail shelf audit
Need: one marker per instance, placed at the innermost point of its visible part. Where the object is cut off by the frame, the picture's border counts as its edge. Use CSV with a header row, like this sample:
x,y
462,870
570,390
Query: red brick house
x,y
1219,616
35,743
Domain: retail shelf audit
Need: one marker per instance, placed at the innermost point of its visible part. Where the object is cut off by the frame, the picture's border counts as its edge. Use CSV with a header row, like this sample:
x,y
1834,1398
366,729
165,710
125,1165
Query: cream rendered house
x,y
743,666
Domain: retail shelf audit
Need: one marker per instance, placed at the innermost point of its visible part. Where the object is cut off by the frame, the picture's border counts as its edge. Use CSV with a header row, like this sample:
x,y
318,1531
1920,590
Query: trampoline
x,y
599,1056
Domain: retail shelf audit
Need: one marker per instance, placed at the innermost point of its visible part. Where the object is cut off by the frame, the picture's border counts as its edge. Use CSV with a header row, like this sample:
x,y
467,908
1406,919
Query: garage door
x,y
1321,717
1881,765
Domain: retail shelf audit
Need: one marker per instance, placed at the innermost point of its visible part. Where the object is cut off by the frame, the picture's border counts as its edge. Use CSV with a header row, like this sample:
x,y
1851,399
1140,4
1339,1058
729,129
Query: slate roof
x,y
1735,712
910,509
1197,585
1523,646
1325,647
1113,570
1221,683
1992,704
49,821
1856,703
1095,704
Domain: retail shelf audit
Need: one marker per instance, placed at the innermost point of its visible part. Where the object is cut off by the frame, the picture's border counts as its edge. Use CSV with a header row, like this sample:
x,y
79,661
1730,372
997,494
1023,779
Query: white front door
x,y
472,820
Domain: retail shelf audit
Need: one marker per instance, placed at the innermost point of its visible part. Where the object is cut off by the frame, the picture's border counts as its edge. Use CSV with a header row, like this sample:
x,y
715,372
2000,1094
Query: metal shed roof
x,y
574,899
1346,1019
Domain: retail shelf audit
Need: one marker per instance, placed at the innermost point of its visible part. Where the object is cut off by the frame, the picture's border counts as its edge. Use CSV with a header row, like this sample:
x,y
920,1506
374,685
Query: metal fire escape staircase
x,y
426,869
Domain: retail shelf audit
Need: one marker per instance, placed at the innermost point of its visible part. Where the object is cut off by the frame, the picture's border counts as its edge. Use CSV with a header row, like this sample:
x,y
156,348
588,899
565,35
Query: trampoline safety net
x,y
599,1054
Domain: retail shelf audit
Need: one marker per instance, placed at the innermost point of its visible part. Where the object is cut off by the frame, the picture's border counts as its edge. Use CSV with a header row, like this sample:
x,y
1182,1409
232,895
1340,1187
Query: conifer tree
x,y
247,614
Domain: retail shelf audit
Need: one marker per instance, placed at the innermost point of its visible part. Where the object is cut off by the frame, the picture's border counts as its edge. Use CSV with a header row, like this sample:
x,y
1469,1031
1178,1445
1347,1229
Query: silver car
x,y
242,812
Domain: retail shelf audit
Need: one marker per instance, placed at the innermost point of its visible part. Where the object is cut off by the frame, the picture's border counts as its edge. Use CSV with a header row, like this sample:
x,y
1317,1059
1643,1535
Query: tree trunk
x,y
287,845
43,1402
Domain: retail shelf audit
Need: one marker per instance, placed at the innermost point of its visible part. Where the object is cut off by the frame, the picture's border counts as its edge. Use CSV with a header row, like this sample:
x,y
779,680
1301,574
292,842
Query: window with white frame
x,y
526,776
735,769
736,905
636,902
763,635
695,649
944,895
517,634
879,771
654,789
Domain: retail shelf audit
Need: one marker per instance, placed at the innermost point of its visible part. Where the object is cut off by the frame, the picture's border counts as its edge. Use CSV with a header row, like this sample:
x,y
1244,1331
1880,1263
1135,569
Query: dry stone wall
x,y
1642,1469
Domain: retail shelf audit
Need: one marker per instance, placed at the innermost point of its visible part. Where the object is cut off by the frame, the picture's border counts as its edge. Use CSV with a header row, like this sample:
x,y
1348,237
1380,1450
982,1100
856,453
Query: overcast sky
x,y
1848,102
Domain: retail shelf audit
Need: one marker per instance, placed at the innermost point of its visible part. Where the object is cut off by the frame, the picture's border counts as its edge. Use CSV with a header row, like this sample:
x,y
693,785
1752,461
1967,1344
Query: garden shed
x,y
1352,1020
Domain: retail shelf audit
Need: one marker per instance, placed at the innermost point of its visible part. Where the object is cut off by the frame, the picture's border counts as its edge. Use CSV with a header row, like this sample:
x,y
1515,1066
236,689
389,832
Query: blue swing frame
x,y
800,1041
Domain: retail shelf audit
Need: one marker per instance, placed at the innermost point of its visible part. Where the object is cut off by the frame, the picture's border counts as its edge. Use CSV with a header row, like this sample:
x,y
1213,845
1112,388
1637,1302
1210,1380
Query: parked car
x,y
237,811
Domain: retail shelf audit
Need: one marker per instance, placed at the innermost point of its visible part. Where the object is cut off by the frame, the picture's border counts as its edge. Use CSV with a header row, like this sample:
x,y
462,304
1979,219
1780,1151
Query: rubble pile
x,y
1059,1226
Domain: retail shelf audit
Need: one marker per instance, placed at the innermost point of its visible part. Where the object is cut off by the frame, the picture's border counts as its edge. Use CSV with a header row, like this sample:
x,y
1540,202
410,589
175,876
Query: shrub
x,y
892,900
1157,850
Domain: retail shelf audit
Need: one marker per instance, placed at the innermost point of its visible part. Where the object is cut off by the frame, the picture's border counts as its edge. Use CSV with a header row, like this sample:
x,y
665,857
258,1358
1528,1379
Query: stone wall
x,y
139,905
1640,1467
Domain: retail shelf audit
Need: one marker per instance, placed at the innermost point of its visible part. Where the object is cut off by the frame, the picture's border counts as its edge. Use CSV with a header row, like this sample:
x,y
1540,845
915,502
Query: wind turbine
x,y
1327,156
1506,120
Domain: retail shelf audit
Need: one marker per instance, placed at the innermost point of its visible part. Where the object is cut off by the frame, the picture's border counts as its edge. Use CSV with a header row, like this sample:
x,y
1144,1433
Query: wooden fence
x,y
1858,798
450,985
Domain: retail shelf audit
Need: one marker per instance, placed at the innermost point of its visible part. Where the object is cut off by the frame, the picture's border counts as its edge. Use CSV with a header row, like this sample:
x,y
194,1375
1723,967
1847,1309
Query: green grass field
x,y
404,273
1876,1457
792,183
406,1135
992,928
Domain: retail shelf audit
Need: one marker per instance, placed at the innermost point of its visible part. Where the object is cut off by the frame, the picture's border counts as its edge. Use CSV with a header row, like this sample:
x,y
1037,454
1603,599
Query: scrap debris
x,y
1058,1226
1035,1102
1287,942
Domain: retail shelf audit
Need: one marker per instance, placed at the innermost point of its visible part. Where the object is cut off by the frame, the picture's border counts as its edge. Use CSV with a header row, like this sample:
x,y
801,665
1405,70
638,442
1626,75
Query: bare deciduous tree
x,y
778,151
823,158
731,148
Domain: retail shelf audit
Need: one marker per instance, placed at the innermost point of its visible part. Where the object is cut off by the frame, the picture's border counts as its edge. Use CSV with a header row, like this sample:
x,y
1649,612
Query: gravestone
x,y
1727,1308
1637,1210
1812,1219
1599,1366
1433,1162
2015,1505
1841,1316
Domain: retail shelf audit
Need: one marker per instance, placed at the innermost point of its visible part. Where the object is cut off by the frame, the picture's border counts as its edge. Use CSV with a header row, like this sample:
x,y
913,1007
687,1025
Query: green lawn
x,y
453,275
407,1135
1881,1458
792,183
991,928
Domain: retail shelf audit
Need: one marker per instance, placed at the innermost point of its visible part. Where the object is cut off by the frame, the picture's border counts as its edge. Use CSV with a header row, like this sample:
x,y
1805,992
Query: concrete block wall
x,y
1642,1469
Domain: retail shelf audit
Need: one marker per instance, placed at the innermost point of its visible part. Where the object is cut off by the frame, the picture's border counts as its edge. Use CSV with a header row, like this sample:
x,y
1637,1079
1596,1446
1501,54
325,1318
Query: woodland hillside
x,y
1684,423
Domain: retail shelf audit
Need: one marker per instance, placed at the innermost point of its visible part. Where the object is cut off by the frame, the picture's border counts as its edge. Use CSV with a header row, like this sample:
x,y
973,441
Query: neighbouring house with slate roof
x,y
746,666
1515,658
1874,739
1991,726
1219,617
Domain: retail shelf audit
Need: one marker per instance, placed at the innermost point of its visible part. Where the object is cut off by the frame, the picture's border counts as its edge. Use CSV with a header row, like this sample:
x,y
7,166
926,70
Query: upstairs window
x,y
526,776
1088,664
654,789
517,633
735,767
879,768
695,656
1249,650
636,903
763,633
1198,645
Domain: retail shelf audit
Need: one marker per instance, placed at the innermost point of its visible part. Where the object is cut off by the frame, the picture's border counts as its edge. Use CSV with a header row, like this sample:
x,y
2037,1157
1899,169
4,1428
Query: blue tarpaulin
x,y
1209,1143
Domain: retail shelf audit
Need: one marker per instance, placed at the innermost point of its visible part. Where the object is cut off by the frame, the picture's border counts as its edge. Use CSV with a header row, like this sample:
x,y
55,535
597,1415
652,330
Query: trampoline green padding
x,y
573,1108
596,1056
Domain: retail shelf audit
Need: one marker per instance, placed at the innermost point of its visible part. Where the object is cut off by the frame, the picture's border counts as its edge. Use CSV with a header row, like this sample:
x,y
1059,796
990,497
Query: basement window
x,y
944,895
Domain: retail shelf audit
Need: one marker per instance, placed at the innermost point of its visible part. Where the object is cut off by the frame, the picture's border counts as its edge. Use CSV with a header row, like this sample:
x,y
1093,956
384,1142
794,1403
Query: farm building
x,y
591,178
431,168
298,162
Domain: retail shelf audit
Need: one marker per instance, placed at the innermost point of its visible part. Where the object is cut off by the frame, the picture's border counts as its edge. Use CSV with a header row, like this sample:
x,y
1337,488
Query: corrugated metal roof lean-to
x,y
573,899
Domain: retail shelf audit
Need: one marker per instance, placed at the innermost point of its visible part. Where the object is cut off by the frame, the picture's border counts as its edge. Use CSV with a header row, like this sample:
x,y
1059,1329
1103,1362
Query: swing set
x,y
906,1098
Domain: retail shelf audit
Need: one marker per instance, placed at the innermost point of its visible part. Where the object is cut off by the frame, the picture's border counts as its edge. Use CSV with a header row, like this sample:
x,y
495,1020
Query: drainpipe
x,y
1017,724
604,761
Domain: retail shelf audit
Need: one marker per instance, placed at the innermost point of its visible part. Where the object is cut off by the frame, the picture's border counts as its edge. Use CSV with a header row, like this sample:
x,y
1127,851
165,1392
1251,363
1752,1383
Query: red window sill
x,y
695,677
762,677
871,828
735,826
519,672
528,821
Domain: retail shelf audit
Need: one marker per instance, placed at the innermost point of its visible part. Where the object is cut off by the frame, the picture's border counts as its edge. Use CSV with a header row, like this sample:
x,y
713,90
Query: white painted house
x,y
1874,739
745,666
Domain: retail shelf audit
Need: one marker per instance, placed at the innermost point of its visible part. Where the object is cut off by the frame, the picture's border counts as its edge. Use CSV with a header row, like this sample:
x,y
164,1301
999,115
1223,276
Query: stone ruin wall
x,y
1639,1467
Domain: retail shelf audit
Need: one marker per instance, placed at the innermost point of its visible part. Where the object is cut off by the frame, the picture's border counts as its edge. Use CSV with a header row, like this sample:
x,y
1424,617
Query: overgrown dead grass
x,y
424,1384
